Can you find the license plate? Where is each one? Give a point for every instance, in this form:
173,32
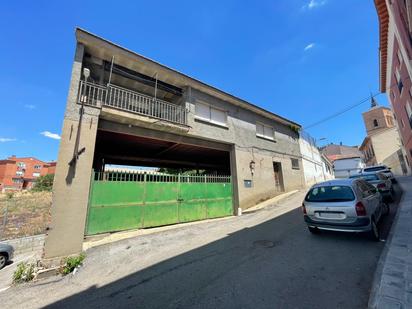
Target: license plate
331,215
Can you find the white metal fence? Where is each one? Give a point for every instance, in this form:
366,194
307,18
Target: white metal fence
131,101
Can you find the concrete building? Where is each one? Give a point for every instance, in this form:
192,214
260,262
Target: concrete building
395,55
382,144
126,109
316,166
18,174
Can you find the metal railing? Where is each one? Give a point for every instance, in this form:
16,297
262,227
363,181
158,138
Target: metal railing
155,176
131,101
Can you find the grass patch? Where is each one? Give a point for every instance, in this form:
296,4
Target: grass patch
25,214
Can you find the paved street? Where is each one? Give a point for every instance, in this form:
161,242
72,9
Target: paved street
265,259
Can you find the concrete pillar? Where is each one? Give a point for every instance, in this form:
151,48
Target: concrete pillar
71,183
235,182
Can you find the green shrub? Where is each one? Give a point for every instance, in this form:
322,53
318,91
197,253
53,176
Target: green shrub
70,263
25,272
44,183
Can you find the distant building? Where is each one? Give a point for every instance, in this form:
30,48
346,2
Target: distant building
347,160
382,144
395,55
21,173
316,167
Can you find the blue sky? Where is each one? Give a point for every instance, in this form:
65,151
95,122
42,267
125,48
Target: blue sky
302,59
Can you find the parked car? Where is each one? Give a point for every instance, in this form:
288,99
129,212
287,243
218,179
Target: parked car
346,205
6,254
379,168
380,182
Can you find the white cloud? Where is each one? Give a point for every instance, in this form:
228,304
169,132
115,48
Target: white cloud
50,135
5,139
314,3
309,46
30,106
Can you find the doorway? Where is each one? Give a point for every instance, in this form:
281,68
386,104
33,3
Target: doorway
277,173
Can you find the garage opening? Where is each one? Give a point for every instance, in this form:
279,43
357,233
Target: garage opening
180,183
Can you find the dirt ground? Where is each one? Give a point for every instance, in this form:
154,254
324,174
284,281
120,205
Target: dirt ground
24,214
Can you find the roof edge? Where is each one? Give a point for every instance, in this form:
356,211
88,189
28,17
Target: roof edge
80,31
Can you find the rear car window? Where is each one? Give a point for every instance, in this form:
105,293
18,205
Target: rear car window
366,177
374,169
330,194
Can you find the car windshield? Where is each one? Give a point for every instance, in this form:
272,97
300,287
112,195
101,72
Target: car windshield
366,177
330,194
374,169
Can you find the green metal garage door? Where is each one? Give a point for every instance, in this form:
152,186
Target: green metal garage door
128,200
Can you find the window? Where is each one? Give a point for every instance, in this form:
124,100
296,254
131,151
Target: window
375,123
409,113
37,167
295,163
19,173
265,131
21,165
36,174
399,55
399,80
389,119
330,194
210,114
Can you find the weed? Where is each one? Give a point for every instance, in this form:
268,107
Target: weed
25,272
70,263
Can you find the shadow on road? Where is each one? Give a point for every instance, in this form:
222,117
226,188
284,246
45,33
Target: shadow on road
277,264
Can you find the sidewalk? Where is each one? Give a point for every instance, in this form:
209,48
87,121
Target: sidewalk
392,286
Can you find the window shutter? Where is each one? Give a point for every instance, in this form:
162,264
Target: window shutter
203,111
259,129
268,132
218,116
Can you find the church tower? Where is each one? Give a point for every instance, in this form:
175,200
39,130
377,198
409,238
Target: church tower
377,118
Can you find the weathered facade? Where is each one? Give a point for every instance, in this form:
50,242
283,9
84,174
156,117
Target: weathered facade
125,109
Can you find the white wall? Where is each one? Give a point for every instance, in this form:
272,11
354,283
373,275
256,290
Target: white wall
314,167
346,167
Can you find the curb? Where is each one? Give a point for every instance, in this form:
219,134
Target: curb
377,278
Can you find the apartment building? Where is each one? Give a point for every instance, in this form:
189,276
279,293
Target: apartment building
125,109
395,55
21,173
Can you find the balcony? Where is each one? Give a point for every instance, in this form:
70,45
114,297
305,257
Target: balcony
130,101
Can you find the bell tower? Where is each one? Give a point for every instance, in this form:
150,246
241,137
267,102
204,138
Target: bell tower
377,118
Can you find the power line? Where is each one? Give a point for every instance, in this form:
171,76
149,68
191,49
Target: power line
350,107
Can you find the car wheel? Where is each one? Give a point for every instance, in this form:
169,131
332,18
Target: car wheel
374,232
3,260
313,230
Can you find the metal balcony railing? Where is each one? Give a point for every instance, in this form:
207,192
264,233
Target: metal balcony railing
131,101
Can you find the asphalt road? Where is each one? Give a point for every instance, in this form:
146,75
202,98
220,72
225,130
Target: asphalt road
274,264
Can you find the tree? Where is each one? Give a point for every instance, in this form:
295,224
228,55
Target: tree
44,183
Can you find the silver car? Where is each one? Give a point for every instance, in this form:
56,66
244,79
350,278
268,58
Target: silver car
346,205
381,169
380,182
6,254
